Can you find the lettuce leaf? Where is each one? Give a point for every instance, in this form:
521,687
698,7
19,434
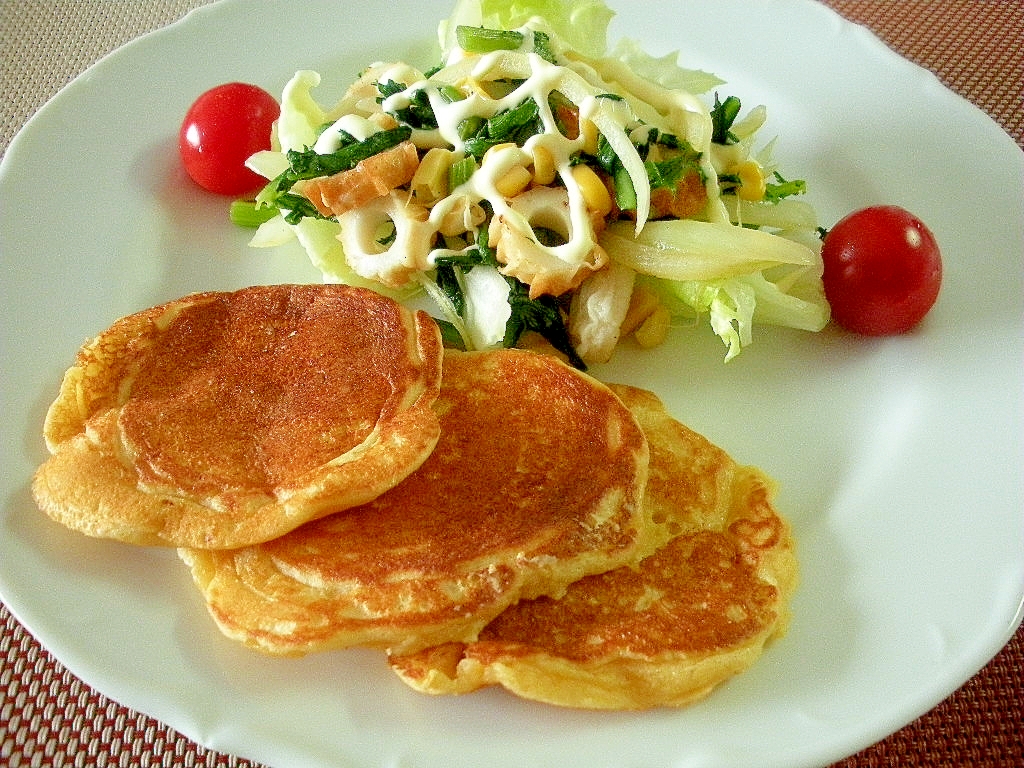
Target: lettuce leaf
731,275
301,117
733,305
664,70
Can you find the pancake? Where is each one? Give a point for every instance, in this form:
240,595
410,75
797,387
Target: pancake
536,481
693,614
225,419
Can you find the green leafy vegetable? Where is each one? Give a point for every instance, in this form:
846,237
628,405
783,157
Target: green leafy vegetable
505,124
668,173
450,335
307,164
780,188
734,304
418,114
625,192
514,125
664,70
297,207
543,314
606,156
542,47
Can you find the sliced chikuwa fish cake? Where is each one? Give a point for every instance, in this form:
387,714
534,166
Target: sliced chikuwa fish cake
665,633
536,481
224,419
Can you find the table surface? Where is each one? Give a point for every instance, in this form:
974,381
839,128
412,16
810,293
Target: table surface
50,717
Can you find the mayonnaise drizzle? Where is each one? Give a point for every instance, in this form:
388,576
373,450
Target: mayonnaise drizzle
583,82
539,78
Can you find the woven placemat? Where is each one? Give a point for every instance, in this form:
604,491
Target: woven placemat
48,717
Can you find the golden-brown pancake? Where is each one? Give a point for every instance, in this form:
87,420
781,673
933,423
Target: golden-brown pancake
225,419
536,481
691,615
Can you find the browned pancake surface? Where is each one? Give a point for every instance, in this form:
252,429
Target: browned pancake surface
691,615
535,482
222,419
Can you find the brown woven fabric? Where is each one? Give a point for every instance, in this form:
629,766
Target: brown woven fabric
975,47
48,717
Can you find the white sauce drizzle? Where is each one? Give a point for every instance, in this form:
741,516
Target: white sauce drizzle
579,82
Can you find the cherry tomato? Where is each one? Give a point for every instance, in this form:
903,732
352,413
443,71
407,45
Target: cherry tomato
220,130
882,270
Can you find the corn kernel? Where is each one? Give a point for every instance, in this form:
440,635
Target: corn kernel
494,150
590,135
515,181
642,303
654,329
752,183
543,166
383,120
594,192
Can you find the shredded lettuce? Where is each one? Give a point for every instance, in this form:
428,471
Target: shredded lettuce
686,249
739,260
734,305
733,275
729,305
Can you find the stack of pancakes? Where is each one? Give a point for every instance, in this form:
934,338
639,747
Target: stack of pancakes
334,478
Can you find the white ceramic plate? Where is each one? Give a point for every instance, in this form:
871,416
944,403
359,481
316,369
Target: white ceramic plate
899,459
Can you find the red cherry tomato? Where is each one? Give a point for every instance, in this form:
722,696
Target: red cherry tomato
882,270
220,131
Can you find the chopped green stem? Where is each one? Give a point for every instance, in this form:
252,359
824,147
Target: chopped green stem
246,213
471,126
542,47
483,40
723,115
460,171
450,93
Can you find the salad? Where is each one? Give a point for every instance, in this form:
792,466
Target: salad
536,181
